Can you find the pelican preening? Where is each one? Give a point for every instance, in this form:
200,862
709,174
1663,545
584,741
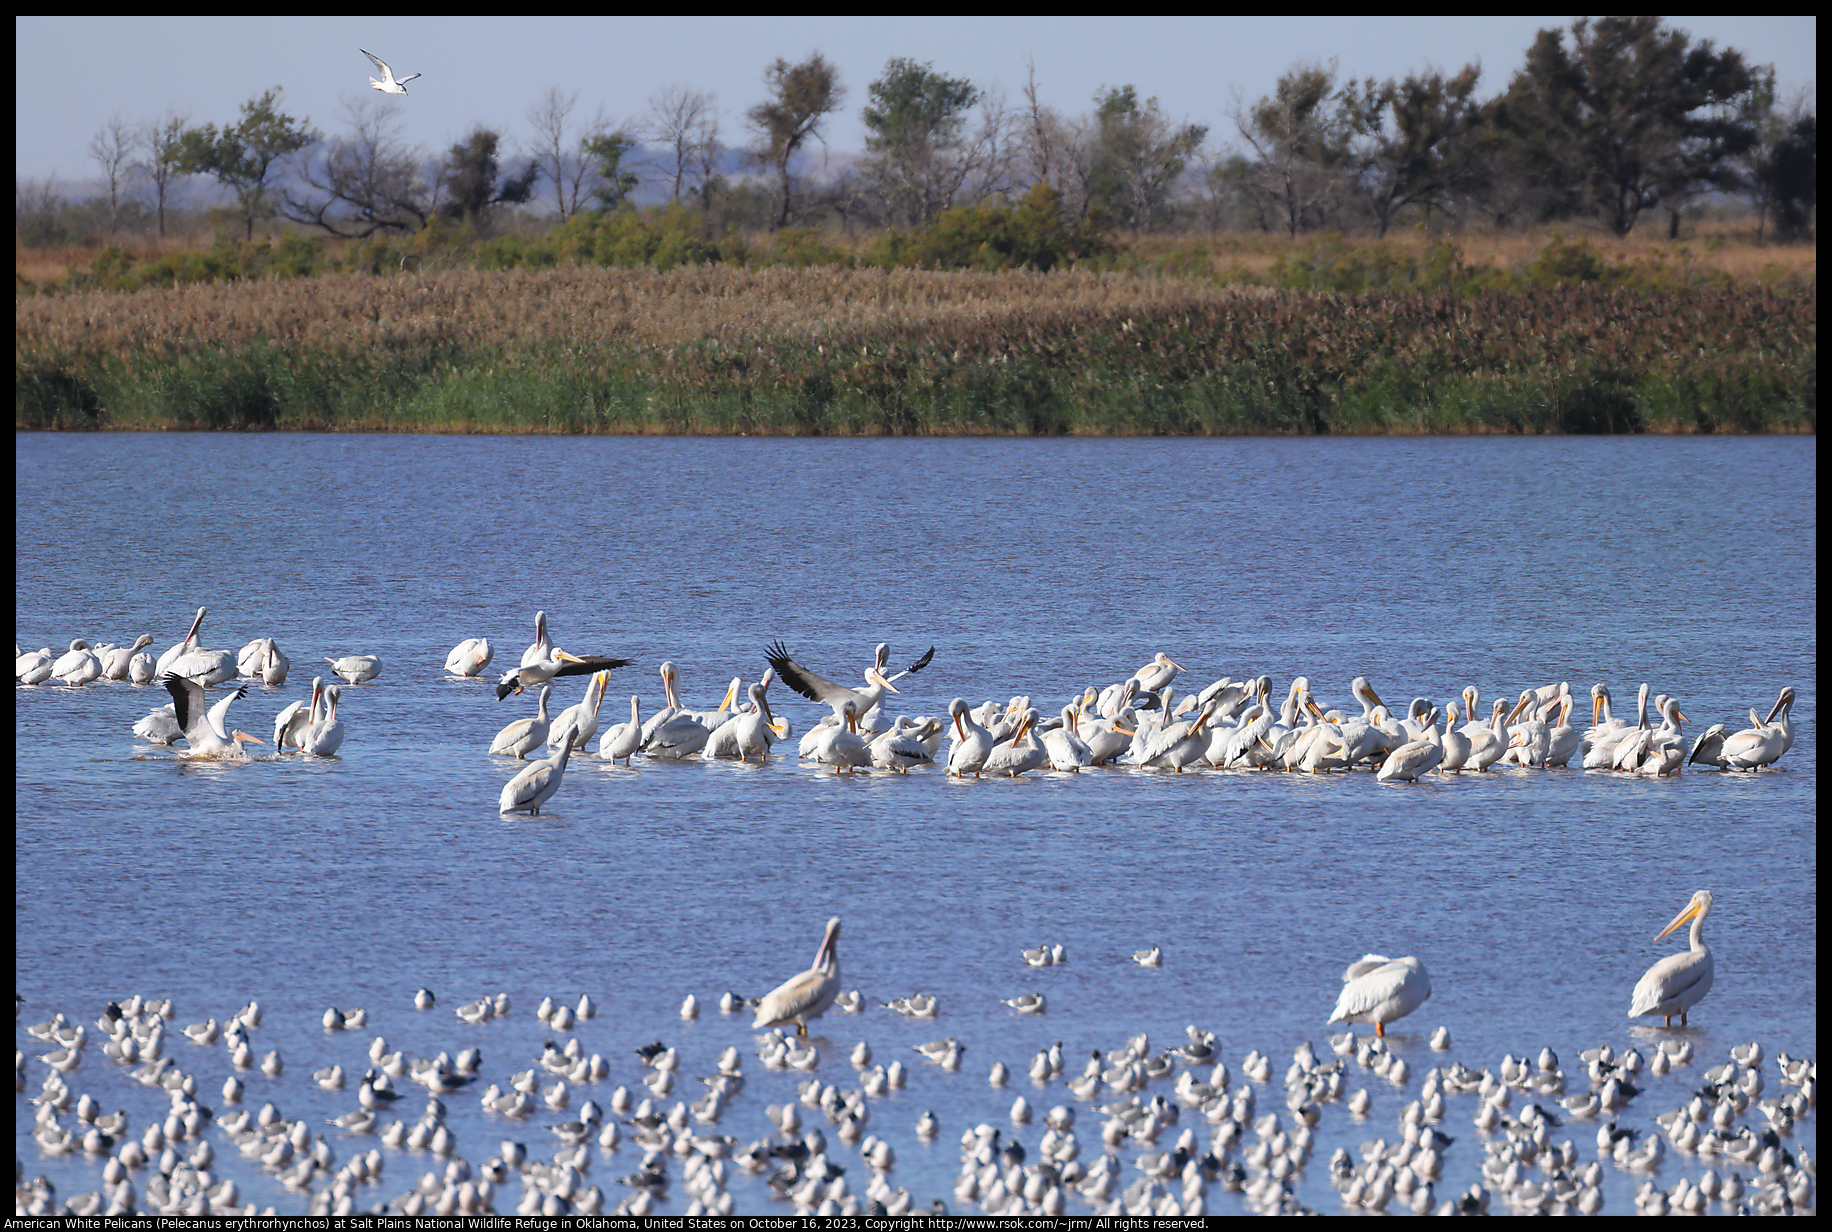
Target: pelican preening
77,666
357,669
807,995
1680,981
1379,990
469,657
389,84
1761,744
205,728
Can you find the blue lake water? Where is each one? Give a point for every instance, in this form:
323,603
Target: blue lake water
1034,567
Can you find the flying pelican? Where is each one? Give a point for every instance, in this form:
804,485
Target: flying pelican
324,737
622,740
523,736
204,729
290,723
117,661
78,666
556,663
389,84
1378,990
807,995
534,784
1680,981
469,657
818,688
356,668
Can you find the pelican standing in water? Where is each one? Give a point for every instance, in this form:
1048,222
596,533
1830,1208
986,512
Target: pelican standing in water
1680,981
972,743
622,740
1378,990
807,995
116,662
205,729
523,736
535,784
324,737
1763,744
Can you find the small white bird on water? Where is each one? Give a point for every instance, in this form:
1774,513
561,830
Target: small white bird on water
389,84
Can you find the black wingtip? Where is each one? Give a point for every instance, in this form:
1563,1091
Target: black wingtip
507,687
777,654
923,662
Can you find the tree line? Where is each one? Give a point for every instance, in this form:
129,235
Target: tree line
1609,121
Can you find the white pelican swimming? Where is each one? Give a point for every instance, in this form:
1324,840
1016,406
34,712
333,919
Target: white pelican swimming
324,737
523,736
807,995
1066,749
621,740
160,727
1680,981
582,715
356,668
77,666
389,84
534,784
204,729
273,665
816,687
290,723
1378,990
116,662
469,657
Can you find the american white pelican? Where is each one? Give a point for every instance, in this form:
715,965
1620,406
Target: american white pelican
816,687
557,663
534,785
972,742
1709,747
290,723
326,736
881,658
1664,751
1158,673
752,731
676,732
116,662
249,658
523,736
1178,744
165,660
1605,730
160,727
389,84
900,748
274,664
204,729
841,746
1486,748
356,668
1414,758
1379,990
78,666
582,715
1680,981
1022,753
1228,745
140,668
469,657
1066,749
1764,744
33,666
1455,743
807,995
1562,741
622,740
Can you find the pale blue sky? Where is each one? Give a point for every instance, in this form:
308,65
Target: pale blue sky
74,73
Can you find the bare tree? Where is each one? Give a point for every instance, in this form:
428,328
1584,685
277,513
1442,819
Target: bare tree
681,120
555,153
163,141
112,147
1056,150
370,180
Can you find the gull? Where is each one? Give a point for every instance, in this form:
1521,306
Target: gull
388,84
